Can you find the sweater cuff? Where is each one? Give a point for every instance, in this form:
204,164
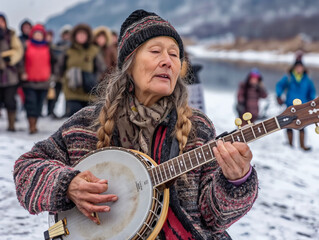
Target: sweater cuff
240,181
65,178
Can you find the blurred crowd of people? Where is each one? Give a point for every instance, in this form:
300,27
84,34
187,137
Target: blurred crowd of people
35,70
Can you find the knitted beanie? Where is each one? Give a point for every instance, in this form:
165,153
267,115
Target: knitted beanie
39,28
298,62
255,72
141,26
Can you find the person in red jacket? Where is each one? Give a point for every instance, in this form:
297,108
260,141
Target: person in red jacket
37,65
249,92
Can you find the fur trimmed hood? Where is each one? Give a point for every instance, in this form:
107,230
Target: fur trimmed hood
84,27
107,33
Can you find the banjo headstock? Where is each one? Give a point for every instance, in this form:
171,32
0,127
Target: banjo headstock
300,115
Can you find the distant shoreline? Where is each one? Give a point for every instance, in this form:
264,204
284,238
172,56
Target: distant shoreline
251,56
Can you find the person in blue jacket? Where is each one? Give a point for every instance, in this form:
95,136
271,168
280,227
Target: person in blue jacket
296,84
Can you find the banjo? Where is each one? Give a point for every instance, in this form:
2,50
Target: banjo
142,206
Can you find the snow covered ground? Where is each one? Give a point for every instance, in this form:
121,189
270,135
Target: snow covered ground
266,57
287,207
15,222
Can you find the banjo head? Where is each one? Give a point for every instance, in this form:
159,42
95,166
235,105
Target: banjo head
128,178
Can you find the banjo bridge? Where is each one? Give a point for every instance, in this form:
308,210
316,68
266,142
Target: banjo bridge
56,230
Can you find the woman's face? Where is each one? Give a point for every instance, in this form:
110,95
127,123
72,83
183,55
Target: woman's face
49,38
254,80
26,28
299,69
155,69
81,37
101,40
3,24
38,36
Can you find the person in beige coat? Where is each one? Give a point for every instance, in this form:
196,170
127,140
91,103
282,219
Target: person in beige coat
11,52
102,37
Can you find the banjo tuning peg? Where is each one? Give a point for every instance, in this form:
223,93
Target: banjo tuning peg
247,117
238,122
296,102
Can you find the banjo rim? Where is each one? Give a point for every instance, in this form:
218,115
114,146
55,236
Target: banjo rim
163,215
142,157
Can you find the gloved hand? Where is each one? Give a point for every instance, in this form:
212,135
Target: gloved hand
279,101
6,59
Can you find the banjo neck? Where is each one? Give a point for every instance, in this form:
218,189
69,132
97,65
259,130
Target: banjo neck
188,161
297,117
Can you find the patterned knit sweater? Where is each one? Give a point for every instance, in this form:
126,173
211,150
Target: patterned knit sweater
205,202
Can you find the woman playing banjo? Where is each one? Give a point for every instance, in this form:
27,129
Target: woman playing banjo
143,107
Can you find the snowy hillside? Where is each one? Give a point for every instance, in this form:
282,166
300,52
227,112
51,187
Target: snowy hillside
264,57
204,18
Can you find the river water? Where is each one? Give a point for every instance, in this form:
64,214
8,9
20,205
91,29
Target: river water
220,75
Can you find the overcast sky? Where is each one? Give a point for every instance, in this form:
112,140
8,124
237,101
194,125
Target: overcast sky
34,10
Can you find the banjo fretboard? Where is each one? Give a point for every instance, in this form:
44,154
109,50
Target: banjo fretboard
188,161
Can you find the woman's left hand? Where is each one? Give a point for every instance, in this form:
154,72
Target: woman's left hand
233,158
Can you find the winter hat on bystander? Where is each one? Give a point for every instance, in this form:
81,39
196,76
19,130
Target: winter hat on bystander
39,28
298,62
254,72
141,26
67,28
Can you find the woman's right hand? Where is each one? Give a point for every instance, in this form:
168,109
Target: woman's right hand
85,191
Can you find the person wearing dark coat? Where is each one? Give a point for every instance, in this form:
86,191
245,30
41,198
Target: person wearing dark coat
65,39
25,28
190,73
36,76
58,50
55,87
249,93
11,52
